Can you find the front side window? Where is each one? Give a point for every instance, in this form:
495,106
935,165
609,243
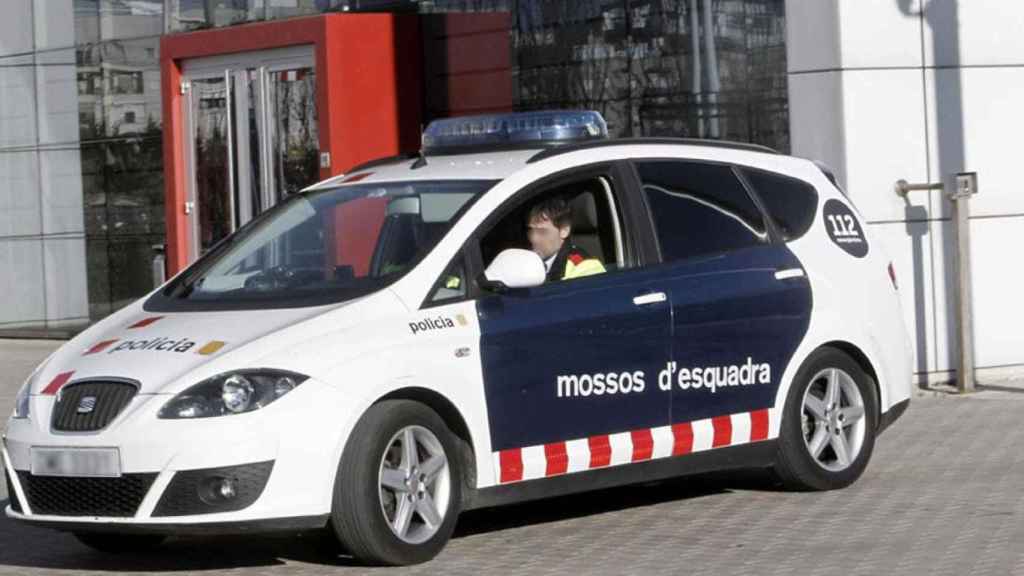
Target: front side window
699,209
327,246
573,226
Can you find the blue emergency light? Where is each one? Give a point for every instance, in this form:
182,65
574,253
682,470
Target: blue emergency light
545,128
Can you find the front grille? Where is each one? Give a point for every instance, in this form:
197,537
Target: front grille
11,494
90,406
75,496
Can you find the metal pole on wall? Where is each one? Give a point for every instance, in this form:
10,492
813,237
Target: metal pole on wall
966,186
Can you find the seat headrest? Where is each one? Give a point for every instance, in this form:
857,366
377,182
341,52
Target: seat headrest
584,213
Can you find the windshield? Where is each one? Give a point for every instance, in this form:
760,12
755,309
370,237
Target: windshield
326,246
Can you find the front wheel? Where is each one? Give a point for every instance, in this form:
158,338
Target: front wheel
828,425
397,493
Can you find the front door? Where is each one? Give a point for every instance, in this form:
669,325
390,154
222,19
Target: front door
570,367
252,121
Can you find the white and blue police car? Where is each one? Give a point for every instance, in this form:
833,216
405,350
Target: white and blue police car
382,351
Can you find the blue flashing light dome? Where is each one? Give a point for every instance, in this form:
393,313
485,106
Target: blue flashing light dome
466,133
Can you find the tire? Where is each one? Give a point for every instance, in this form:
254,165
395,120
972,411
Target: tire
810,454
113,543
366,503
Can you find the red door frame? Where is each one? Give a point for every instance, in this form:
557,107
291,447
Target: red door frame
369,78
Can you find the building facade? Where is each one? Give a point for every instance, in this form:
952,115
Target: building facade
81,173
920,90
878,89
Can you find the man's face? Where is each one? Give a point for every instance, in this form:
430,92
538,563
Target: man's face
545,238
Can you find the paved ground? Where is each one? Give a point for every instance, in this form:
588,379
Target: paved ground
944,495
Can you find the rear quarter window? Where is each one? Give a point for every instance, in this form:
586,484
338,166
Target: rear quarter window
791,203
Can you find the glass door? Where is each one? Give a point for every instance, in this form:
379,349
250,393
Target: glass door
252,120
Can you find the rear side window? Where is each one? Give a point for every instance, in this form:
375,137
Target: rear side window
790,202
699,209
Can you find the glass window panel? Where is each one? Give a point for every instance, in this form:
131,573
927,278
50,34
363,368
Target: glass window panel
61,179
98,277
130,18
790,202
296,142
699,209
290,8
56,24
67,302
197,14
22,263
57,84
15,36
213,191
17,101
19,194
118,85
119,271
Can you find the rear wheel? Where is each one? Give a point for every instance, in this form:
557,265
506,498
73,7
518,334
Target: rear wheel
397,493
112,543
829,423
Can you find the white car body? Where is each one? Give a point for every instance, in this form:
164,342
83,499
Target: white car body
387,343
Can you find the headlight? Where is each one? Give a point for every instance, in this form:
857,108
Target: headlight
21,405
231,393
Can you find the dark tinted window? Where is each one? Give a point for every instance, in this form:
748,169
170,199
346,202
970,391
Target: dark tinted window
790,202
699,209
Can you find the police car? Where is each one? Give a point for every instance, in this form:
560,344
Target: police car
388,348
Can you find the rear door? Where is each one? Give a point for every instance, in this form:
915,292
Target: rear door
741,302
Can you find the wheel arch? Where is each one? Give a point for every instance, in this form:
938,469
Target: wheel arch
862,360
453,418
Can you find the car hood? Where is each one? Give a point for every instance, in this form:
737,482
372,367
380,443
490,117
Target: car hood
155,349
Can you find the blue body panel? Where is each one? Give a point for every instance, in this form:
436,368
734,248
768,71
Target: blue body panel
730,309
719,312
587,326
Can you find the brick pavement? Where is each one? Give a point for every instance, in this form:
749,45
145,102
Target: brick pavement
943,495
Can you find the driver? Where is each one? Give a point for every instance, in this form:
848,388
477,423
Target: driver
549,229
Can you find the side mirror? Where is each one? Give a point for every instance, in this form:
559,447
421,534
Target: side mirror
514,268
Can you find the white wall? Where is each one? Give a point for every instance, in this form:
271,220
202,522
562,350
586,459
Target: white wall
921,89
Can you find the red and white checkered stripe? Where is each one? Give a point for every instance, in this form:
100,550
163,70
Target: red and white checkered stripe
531,462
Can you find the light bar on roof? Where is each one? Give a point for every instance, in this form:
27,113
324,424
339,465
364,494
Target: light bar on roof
543,128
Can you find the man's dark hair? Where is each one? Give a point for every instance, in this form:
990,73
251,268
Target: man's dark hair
553,208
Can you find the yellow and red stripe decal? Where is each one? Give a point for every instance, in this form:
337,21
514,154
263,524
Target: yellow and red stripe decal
58,381
145,322
99,347
553,459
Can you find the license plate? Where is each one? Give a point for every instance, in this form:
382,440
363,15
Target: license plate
98,462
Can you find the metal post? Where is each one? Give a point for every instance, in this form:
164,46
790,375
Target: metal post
966,186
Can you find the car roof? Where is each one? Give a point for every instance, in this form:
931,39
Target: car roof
497,164
476,166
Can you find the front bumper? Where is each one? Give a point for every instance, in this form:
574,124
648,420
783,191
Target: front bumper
281,461
272,525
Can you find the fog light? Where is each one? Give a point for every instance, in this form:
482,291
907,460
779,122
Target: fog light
218,490
226,489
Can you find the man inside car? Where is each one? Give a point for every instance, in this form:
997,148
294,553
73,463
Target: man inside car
549,229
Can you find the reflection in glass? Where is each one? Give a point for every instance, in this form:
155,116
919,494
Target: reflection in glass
198,14
694,68
118,88
210,133
294,139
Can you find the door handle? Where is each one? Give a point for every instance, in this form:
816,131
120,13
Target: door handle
789,273
649,298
